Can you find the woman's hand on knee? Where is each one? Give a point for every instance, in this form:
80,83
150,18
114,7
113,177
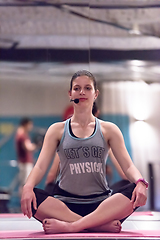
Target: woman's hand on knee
139,196
27,198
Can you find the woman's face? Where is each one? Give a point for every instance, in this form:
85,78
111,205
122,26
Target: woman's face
83,89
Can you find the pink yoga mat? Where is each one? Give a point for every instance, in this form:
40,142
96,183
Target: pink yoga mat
37,234
11,215
142,213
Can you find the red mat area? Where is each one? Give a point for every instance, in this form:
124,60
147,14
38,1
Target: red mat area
11,215
37,234
142,213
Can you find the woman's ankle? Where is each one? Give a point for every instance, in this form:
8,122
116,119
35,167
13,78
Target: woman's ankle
75,227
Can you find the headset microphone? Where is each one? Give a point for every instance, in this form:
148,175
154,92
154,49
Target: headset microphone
75,100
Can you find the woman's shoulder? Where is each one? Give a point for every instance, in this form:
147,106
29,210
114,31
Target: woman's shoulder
56,127
108,126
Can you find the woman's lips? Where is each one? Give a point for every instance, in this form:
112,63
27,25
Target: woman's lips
82,99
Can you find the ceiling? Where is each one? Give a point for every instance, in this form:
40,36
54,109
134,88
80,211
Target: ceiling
81,24
115,27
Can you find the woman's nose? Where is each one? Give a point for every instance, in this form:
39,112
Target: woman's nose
82,91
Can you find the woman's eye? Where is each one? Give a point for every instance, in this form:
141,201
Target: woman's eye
76,89
88,88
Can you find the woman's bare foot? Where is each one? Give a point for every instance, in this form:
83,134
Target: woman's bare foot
51,226
55,226
112,227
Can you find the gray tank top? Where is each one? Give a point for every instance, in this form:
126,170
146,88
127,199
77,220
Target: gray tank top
82,164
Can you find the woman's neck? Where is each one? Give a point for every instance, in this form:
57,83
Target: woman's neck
83,117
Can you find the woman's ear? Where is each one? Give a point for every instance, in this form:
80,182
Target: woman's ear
69,94
96,94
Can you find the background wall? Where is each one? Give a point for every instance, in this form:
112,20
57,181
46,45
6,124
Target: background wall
32,97
134,108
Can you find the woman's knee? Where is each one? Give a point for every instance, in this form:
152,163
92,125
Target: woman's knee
126,190
41,196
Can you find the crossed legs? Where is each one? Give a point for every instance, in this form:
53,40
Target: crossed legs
58,218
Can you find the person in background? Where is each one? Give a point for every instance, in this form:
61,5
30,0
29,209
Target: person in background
24,150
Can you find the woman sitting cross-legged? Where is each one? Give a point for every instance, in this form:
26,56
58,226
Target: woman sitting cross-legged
82,200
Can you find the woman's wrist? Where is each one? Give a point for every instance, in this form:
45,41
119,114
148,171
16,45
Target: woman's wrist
142,180
27,186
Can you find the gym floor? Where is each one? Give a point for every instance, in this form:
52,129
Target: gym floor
140,225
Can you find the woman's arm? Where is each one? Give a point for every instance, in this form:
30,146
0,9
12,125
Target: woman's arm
54,171
45,157
116,164
51,141
114,138
116,143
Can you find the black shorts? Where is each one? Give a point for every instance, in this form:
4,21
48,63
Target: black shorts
125,187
